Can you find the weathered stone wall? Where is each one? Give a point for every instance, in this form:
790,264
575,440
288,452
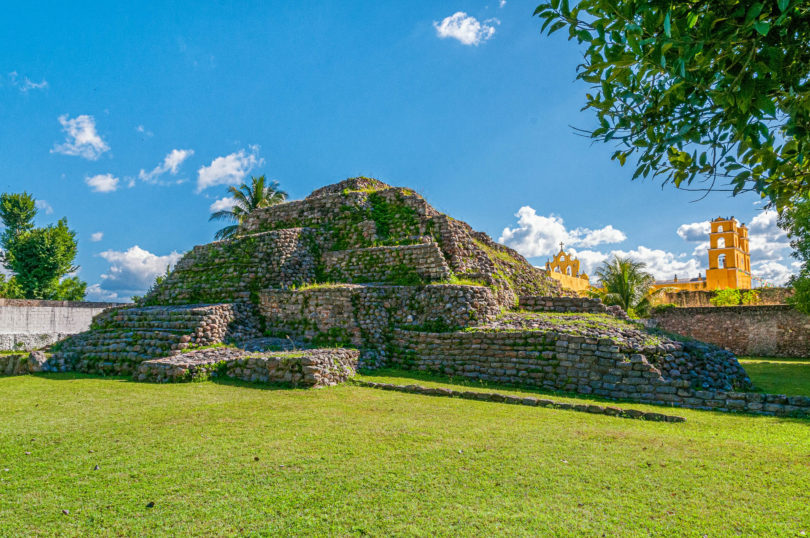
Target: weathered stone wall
311,367
386,264
363,316
233,269
536,303
561,362
475,255
22,363
684,298
29,324
770,331
121,339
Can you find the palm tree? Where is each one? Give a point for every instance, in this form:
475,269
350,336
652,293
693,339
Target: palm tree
625,283
246,199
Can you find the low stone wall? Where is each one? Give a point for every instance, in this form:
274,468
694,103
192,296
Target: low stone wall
29,324
767,296
311,367
227,271
600,367
384,264
524,400
579,305
363,316
770,331
537,303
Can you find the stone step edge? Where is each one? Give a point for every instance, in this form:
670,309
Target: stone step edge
530,401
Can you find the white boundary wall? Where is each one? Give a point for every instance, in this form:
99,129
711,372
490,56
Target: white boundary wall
27,324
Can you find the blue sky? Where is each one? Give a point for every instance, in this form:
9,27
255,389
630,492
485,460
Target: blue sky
130,120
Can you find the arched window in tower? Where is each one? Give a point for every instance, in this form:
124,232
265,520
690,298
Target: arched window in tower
721,242
721,261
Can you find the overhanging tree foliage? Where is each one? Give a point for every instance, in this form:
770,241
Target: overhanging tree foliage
705,94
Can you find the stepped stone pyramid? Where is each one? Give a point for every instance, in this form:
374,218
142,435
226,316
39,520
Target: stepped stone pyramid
361,273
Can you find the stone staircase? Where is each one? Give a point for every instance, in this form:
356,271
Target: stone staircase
121,339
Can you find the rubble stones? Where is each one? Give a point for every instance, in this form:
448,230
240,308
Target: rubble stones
311,368
530,401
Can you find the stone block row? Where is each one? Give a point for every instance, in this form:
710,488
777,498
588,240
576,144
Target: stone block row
386,263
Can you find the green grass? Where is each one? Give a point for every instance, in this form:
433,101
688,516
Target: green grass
349,460
778,375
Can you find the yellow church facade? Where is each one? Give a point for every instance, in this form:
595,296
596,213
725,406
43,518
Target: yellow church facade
564,268
729,260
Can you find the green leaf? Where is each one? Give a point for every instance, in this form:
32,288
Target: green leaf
783,5
668,25
762,27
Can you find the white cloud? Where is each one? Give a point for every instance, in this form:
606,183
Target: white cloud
772,272
502,3
539,235
661,264
590,238
695,231
228,170
96,237
664,265
96,293
45,206
222,204
81,138
466,28
144,131
171,163
102,182
132,271
25,84
701,250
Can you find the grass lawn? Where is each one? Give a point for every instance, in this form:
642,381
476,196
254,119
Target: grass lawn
782,376
350,460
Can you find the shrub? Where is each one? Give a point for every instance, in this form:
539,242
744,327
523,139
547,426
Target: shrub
800,300
663,307
751,297
727,297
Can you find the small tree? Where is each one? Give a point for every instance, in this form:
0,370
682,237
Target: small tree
625,283
40,258
247,198
795,220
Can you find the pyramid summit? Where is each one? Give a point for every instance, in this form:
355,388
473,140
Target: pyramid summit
360,230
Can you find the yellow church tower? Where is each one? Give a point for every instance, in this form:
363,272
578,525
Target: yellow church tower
729,257
729,260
